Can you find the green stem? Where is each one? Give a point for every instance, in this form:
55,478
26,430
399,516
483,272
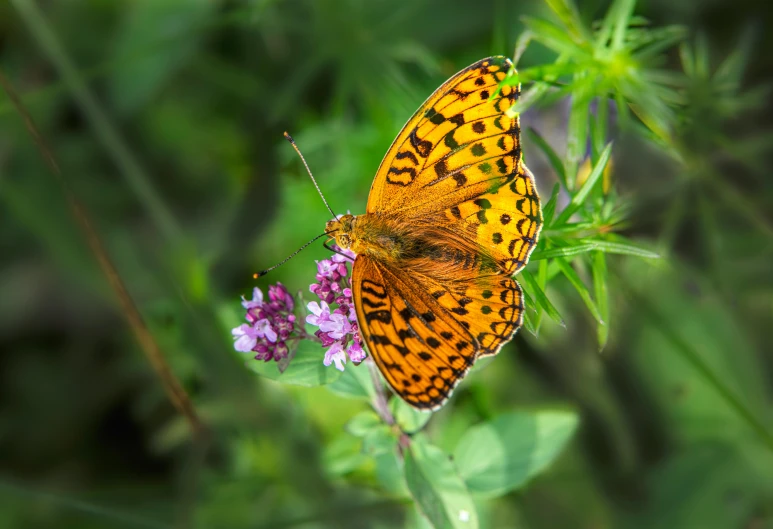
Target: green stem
687,352
135,176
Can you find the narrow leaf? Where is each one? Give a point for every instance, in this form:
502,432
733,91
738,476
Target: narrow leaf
549,209
553,158
579,286
563,251
593,177
577,128
531,284
552,36
529,322
599,268
624,10
621,246
570,17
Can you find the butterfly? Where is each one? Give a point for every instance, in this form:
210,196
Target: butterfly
452,214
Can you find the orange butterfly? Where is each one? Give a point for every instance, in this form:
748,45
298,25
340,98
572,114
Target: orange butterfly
452,213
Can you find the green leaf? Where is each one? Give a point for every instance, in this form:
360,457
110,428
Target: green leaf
563,251
520,46
504,454
593,177
599,128
305,369
435,485
579,286
354,382
389,473
362,423
552,156
379,440
577,128
623,247
342,455
605,30
528,323
599,268
552,36
409,419
570,17
549,209
377,437
531,285
659,40
579,246
623,10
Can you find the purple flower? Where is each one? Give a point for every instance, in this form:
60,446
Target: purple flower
356,352
335,355
263,329
245,338
335,315
320,312
270,323
337,326
256,301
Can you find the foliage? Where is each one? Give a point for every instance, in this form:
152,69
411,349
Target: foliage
170,135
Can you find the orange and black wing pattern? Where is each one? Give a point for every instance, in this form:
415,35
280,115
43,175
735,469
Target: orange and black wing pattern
454,186
458,161
421,350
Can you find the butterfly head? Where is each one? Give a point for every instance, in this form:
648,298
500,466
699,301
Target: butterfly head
341,229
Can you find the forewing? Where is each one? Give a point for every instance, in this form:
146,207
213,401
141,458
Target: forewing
505,223
458,161
420,349
457,146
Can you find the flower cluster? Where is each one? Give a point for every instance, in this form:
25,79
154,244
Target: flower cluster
269,324
338,329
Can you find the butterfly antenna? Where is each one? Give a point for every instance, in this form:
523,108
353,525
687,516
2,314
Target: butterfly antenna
296,252
292,142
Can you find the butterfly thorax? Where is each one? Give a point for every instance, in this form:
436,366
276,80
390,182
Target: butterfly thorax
424,247
370,235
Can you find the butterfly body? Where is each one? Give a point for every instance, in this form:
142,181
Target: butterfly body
451,215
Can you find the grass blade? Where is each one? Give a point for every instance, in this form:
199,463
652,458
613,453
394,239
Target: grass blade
577,133
579,286
593,177
552,36
623,247
532,286
623,12
600,279
172,385
563,251
552,156
689,353
130,168
567,12
549,209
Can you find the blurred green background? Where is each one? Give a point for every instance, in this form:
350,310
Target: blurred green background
166,118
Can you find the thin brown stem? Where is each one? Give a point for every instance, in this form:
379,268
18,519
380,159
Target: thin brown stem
379,400
172,385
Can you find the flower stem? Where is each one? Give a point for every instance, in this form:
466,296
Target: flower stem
379,398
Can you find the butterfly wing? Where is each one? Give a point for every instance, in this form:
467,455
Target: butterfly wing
425,333
458,161
420,349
